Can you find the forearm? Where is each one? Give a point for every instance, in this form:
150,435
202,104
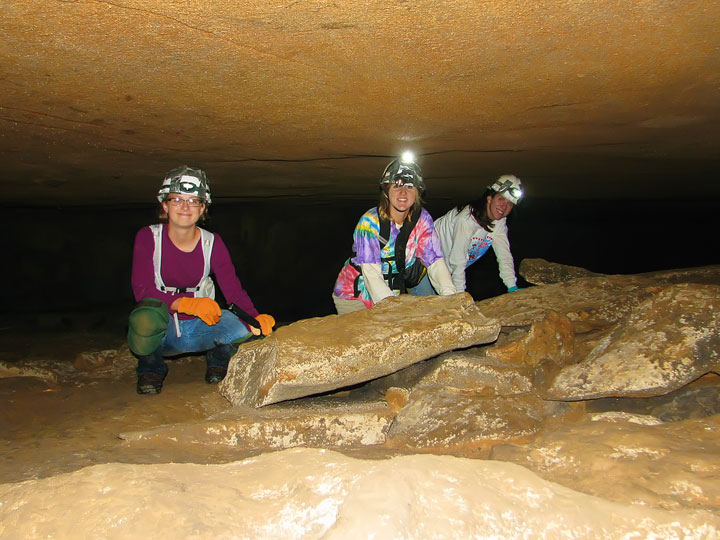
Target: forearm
375,283
440,278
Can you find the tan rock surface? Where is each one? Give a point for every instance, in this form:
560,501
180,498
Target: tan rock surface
595,98
668,341
590,302
327,353
628,460
552,338
320,423
542,272
305,493
449,420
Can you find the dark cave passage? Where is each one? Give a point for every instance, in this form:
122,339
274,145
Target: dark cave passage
287,253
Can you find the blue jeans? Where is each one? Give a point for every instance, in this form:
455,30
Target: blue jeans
196,336
424,288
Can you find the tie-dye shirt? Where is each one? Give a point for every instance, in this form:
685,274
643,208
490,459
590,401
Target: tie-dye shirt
423,244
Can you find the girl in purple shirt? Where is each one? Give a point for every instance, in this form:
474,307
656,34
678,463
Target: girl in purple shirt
176,311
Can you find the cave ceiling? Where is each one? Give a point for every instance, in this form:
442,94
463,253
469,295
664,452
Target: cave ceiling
311,99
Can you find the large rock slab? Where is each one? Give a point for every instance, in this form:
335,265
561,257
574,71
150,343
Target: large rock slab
311,494
668,341
320,423
326,353
629,459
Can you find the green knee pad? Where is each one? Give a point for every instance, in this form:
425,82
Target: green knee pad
147,325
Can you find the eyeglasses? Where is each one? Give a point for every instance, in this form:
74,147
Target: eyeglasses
179,201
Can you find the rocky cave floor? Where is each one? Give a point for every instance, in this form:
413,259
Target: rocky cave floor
68,402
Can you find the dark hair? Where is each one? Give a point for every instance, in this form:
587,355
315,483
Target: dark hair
478,209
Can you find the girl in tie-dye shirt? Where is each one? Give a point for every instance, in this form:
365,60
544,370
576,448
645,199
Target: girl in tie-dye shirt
368,276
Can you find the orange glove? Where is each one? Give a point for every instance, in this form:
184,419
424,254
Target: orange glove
266,323
205,308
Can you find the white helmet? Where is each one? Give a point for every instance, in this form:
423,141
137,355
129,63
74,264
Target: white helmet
185,179
509,186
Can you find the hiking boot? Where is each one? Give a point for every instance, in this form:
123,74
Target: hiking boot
214,374
149,383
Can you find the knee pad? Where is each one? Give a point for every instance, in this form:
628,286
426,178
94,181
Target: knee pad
147,325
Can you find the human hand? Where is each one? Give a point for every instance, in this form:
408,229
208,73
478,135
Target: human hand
206,308
266,323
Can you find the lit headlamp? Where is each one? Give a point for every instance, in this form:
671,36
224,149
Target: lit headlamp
509,187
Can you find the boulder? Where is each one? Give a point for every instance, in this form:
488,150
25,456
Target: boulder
551,338
322,354
668,341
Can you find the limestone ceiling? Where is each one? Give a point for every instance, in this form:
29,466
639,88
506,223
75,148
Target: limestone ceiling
311,98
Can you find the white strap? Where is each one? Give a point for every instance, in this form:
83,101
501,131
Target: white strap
206,287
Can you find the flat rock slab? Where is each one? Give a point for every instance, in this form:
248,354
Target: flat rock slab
322,354
320,423
629,459
589,302
542,272
668,341
312,494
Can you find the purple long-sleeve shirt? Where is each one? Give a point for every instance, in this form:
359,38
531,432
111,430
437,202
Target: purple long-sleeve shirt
181,269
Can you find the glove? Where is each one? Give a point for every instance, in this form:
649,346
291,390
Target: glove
266,323
205,308
513,289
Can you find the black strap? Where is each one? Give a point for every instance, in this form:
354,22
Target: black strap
244,316
397,281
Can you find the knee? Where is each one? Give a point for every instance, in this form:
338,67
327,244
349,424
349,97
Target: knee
147,325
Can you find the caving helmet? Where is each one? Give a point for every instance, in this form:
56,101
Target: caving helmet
510,187
185,179
402,171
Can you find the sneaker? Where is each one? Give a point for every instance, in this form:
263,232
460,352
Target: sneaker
215,374
149,383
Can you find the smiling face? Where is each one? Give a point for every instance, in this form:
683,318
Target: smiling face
498,207
401,199
182,214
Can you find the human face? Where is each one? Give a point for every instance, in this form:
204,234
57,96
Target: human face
401,200
183,215
498,207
